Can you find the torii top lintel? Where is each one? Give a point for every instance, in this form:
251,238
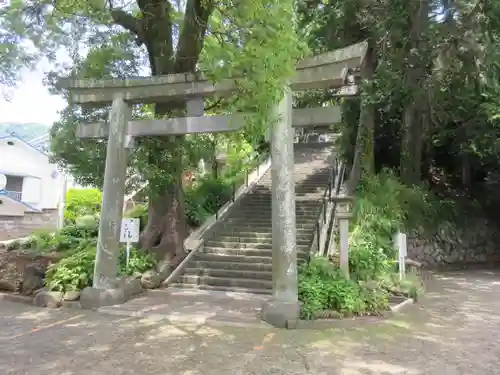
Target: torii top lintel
327,70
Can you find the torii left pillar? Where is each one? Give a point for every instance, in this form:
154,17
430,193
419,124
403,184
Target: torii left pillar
284,306
105,289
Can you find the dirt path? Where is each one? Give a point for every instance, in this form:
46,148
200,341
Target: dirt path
456,332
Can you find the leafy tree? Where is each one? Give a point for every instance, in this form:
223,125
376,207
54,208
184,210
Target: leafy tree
254,40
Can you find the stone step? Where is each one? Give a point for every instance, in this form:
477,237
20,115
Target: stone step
302,175
305,207
256,238
266,216
230,273
242,259
250,230
300,201
263,186
225,282
266,219
232,265
214,243
222,288
223,251
260,226
312,188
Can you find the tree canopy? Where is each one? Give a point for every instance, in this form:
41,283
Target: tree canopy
429,104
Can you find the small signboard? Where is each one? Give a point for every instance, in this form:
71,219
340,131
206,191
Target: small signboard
401,247
129,233
4,3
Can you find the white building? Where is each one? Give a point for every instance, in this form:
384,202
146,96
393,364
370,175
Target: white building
33,183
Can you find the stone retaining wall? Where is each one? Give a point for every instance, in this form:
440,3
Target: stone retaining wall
21,226
477,241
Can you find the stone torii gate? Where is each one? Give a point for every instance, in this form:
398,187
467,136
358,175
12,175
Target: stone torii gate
329,70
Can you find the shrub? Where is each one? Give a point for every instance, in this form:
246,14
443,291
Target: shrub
383,206
81,202
212,194
76,271
323,287
200,202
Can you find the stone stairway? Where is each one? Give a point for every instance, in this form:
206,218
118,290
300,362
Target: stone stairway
238,256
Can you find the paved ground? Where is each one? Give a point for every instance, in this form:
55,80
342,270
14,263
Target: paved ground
183,306
455,332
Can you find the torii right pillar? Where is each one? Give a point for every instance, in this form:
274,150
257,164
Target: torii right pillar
284,306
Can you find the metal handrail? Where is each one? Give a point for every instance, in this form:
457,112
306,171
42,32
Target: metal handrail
327,196
336,179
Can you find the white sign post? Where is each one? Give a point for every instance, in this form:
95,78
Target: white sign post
400,246
129,233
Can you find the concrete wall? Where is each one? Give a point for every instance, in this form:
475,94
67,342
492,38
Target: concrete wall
21,226
9,207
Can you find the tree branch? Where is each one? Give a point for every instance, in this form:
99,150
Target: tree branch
129,22
192,34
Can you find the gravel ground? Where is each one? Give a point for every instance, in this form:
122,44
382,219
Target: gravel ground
455,331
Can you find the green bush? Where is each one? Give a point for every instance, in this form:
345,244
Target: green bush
212,194
383,206
76,271
323,287
200,202
67,239
81,202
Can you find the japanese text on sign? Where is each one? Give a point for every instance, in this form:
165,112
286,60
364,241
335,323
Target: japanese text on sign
129,230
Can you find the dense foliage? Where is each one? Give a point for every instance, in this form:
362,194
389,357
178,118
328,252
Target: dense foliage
81,202
383,206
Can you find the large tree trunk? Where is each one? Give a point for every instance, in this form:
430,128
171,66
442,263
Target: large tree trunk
166,230
363,160
412,130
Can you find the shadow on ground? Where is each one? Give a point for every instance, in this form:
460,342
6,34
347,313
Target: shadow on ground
454,331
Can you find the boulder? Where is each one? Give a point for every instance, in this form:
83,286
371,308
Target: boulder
92,298
130,285
150,279
8,286
49,299
72,295
33,279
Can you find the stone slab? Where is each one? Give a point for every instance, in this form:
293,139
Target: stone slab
92,298
194,307
279,313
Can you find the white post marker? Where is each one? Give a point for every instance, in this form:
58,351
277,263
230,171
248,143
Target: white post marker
129,233
400,245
